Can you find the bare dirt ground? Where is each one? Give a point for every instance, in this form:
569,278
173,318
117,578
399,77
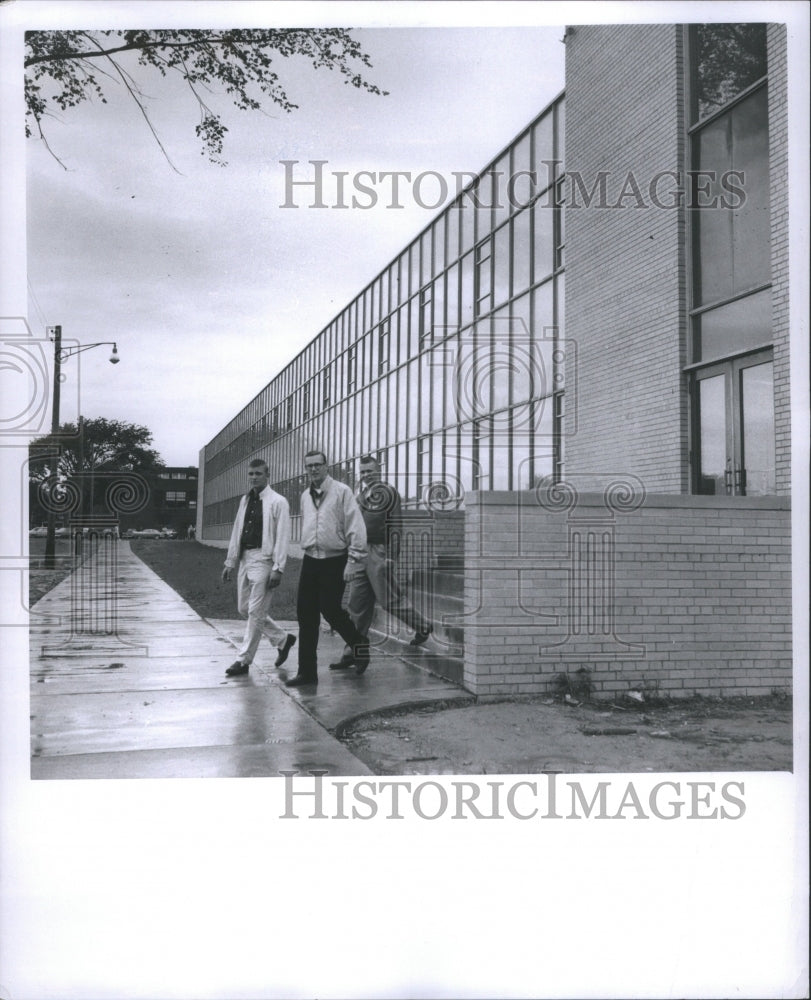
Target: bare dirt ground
529,737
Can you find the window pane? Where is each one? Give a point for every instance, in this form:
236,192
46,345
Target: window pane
520,186
467,290
757,404
750,149
391,390
712,435
501,179
734,327
733,229
521,255
452,317
426,253
434,375
501,269
467,471
520,463
439,307
484,210
452,223
543,221
543,317
437,458
542,150
466,218
439,244
501,463
727,58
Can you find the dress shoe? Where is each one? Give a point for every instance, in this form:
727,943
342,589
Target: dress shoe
361,659
237,668
299,681
347,660
421,637
284,650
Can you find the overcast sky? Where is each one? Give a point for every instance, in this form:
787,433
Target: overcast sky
207,284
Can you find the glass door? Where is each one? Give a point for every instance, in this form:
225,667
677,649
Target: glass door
734,427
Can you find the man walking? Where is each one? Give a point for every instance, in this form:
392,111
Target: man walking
333,540
258,546
381,507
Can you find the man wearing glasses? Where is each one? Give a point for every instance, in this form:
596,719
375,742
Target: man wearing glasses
333,540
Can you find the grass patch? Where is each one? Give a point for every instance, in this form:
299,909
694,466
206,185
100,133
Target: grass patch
41,580
193,570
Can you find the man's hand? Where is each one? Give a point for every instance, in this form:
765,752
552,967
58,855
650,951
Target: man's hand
352,569
226,574
274,579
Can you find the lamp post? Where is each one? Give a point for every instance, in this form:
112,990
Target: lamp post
62,354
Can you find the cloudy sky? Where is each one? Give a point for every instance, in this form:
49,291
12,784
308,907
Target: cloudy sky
206,283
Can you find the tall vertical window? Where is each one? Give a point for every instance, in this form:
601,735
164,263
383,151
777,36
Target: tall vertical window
484,283
383,349
730,355
351,366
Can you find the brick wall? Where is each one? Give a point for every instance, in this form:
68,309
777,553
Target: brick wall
682,595
778,180
625,266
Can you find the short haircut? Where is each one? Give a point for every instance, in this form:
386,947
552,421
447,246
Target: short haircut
312,454
369,460
256,462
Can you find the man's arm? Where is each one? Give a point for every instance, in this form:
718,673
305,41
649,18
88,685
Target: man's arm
232,557
354,527
394,525
281,514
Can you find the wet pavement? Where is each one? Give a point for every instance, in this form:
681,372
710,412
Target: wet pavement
128,681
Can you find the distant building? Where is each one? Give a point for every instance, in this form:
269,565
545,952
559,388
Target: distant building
165,498
173,500
577,376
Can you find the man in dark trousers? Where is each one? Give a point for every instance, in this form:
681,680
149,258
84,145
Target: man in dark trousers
333,541
258,546
381,508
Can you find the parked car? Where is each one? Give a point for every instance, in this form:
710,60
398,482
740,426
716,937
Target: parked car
168,533
39,532
146,533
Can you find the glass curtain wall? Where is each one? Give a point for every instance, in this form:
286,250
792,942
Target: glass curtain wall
730,366
447,366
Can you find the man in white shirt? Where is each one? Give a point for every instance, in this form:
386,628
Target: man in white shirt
333,540
258,546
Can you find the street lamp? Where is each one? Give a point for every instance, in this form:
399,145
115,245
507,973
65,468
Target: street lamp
62,354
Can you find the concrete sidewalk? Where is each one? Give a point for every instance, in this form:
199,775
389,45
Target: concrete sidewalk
127,681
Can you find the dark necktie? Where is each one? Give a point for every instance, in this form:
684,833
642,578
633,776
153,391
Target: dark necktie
317,496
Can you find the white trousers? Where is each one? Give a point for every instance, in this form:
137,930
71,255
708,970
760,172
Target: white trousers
253,600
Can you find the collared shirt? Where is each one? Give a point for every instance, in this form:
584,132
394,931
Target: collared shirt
275,526
334,525
252,525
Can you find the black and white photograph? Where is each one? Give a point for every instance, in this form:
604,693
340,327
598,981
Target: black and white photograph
405,424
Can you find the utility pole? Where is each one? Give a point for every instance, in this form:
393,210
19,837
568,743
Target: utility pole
62,354
50,539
